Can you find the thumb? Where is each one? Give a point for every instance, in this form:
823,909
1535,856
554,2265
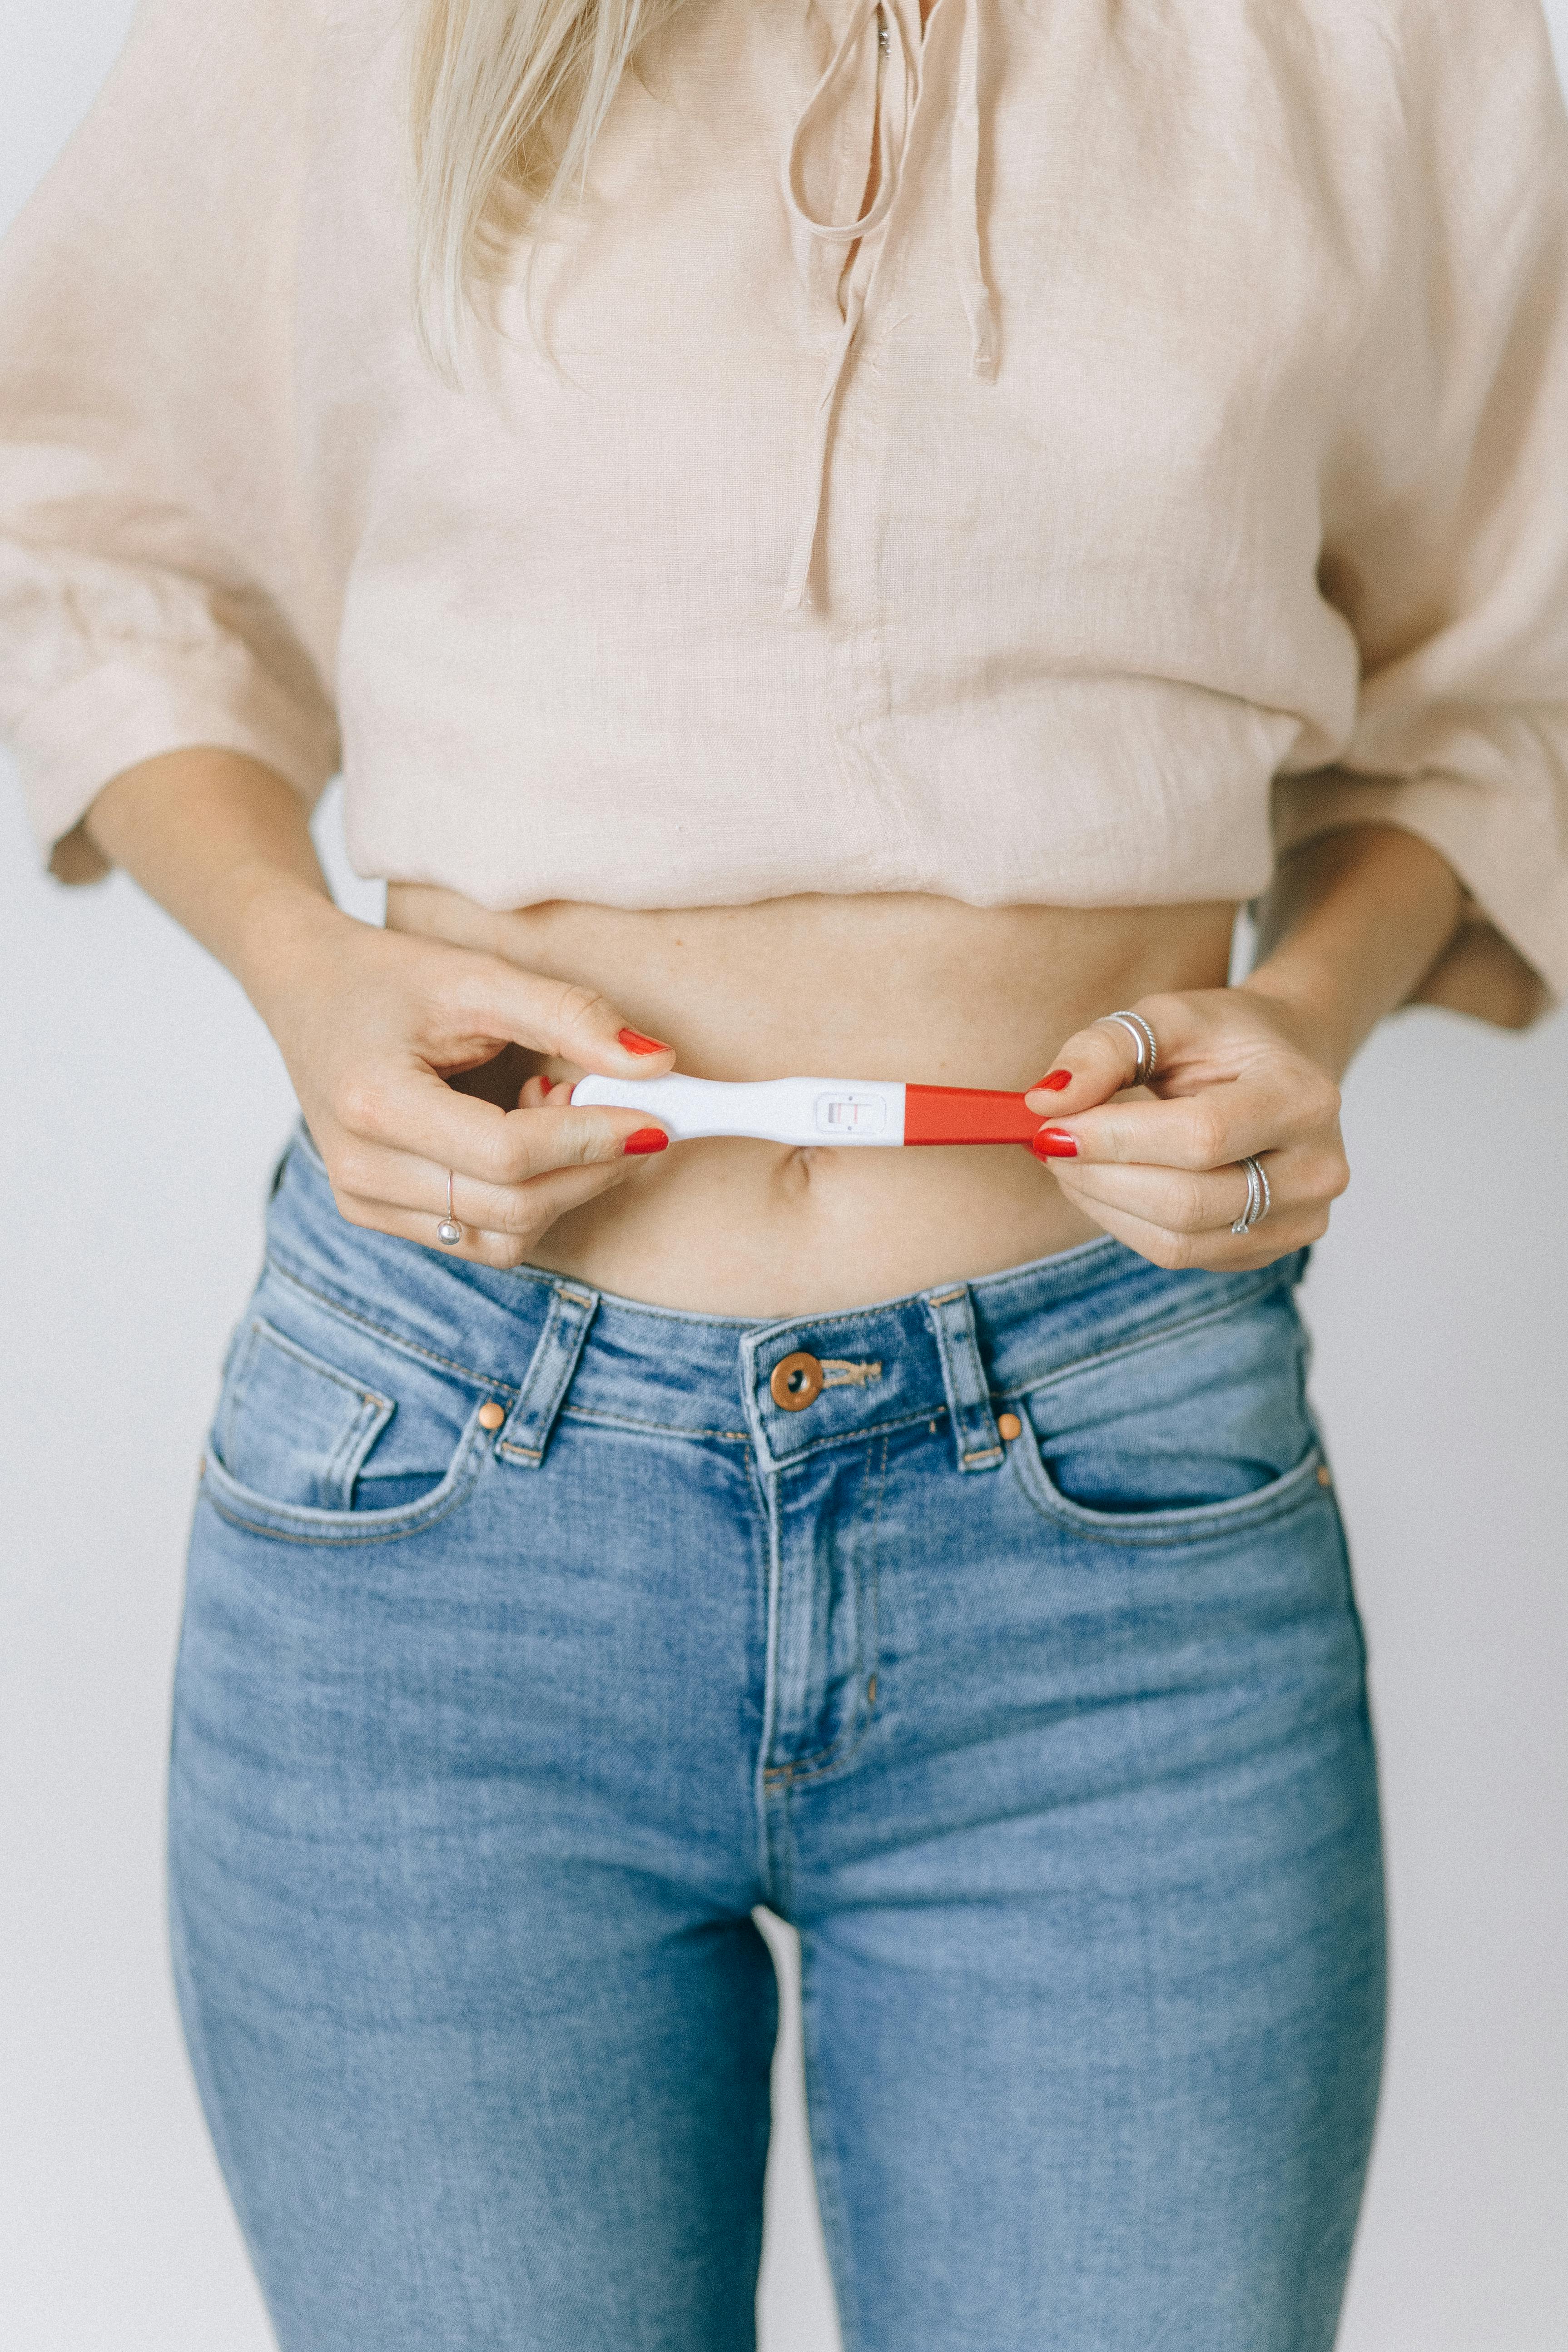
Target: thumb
1096,1062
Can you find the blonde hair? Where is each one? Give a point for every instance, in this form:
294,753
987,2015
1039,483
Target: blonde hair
507,98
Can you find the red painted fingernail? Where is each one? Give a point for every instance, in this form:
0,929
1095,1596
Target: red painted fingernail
1054,1143
544,1084
1054,1079
636,1042
647,1139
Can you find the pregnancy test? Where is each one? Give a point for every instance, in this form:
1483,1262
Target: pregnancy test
801,1111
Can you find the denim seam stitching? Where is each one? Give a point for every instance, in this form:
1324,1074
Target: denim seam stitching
545,1386
954,1349
763,1336
269,1334
1155,1336
233,1397
356,1441
337,1543
335,1306
1291,1491
661,1428
371,1415
838,1752
774,1855
847,1436
413,1526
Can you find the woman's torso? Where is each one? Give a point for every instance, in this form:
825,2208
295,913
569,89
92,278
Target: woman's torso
1068,510
875,987
747,561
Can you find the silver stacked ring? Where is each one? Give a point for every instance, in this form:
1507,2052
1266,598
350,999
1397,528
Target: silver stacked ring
1142,1037
1260,1200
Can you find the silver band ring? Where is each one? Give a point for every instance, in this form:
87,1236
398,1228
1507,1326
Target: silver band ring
1260,1200
1142,1037
449,1231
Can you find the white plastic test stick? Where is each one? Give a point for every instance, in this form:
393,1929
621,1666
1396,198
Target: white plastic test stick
779,1110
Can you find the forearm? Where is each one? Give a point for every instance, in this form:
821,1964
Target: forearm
1354,923
223,846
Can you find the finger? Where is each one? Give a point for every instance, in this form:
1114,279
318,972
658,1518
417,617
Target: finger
490,998
1095,1063
1210,1130
550,1198
412,1113
1220,1252
420,1185
1177,1199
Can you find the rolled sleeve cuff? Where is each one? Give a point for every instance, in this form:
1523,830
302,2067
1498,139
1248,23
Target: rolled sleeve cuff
72,743
1506,852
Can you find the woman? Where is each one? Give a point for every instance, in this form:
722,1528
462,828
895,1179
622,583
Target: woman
870,533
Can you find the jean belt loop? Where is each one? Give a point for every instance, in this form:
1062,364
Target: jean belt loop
977,1442
527,1430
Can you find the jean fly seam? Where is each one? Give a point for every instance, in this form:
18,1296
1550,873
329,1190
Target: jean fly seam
823,1761
873,1647
773,1856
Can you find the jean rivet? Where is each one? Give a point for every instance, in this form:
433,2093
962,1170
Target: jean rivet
1325,1476
492,1415
1009,1426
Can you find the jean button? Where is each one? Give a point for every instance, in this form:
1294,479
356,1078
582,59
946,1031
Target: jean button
796,1381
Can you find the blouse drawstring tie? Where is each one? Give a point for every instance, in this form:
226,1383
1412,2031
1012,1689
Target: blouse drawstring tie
897,100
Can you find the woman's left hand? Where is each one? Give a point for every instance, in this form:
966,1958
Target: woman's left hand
1240,1074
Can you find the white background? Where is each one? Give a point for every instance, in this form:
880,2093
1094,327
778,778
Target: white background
140,1106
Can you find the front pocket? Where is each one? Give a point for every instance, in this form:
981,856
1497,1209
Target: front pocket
1302,1484
292,1427
320,1415
1207,1421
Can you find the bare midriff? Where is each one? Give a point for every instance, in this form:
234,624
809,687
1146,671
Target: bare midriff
877,987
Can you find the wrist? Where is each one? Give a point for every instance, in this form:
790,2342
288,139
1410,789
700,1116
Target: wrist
1313,1009
1352,921
282,922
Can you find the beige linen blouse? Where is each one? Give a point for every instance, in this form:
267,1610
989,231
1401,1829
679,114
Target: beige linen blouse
1171,463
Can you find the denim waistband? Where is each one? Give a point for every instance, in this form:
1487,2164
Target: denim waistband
544,1342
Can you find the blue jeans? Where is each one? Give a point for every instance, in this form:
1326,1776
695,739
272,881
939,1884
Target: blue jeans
534,1636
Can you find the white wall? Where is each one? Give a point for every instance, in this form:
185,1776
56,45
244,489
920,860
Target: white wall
139,1105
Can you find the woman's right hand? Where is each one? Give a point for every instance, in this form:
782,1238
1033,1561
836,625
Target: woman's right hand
371,1022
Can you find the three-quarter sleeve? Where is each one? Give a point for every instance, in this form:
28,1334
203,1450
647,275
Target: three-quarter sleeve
1445,521
154,589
